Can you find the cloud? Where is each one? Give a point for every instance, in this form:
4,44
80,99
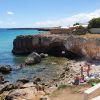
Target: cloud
10,13
8,24
81,18
1,22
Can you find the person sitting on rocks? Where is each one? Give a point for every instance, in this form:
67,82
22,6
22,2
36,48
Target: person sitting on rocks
1,79
21,65
76,80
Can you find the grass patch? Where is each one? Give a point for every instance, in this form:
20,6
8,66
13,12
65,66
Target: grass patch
63,86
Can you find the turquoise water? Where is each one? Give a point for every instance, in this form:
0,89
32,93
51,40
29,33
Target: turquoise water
6,57
6,43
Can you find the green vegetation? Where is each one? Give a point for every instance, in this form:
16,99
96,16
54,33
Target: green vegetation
55,60
94,23
76,24
93,81
80,30
63,86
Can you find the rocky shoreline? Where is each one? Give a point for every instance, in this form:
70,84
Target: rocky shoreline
20,89
39,47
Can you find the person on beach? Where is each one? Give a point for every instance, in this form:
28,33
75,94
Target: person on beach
88,70
76,80
20,66
1,79
81,70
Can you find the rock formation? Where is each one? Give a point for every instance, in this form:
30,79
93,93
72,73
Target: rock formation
33,58
5,69
57,44
42,43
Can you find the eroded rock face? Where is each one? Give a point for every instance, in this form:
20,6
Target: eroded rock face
73,46
56,44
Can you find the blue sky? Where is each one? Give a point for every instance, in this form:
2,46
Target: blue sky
42,13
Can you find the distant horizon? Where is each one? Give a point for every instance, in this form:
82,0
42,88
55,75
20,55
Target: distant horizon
52,13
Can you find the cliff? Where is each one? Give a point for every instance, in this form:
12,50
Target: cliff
57,44
39,43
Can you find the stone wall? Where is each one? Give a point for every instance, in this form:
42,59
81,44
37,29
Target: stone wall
95,30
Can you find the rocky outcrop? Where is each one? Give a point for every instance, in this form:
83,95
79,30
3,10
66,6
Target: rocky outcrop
57,44
29,93
33,58
5,69
37,43
24,81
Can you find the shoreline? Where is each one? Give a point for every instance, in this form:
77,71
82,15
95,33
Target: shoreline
68,70
51,72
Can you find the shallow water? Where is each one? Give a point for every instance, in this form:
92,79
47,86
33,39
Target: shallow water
45,69
6,45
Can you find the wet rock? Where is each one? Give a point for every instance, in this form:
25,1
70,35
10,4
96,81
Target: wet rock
2,79
5,69
18,85
36,80
33,58
43,55
23,81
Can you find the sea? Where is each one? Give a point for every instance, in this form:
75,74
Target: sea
29,72
7,58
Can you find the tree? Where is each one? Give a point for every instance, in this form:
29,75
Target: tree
76,24
94,23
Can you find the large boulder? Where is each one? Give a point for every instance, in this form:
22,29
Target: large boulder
25,94
38,43
33,58
42,55
56,45
5,69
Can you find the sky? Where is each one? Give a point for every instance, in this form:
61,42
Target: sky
47,13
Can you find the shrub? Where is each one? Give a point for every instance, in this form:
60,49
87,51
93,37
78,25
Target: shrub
76,24
94,23
94,81
80,30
